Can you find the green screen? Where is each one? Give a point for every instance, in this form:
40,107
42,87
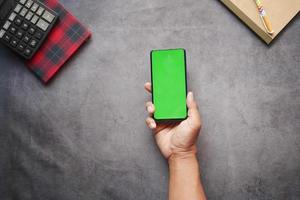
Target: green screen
169,84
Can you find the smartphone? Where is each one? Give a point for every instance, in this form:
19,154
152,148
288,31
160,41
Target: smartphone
169,84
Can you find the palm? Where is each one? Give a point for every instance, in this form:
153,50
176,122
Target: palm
175,136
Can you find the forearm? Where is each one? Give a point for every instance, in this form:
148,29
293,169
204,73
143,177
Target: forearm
185,183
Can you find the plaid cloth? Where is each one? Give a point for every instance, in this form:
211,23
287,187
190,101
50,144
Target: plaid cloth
67,35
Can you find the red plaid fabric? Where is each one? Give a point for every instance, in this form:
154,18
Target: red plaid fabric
67,35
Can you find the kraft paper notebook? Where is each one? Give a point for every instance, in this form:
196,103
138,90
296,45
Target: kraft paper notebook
280,12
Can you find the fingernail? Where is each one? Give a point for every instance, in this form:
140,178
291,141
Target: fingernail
152,125
191,95
150,109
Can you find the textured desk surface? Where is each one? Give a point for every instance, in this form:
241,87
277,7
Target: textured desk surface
83,136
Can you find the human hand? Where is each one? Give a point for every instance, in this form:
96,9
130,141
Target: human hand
176,138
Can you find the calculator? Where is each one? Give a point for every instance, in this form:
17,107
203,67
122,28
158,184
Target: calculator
24,25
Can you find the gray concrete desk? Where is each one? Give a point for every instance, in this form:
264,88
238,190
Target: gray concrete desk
83,136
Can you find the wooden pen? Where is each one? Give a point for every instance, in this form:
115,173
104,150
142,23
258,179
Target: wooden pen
264,17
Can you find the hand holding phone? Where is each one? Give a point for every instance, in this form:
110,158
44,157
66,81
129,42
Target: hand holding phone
173,114
177,138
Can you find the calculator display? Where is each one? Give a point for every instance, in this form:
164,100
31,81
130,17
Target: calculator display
24,25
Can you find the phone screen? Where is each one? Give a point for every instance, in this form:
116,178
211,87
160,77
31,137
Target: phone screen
169,89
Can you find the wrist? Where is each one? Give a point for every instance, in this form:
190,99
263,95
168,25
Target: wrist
183,153
183,156
182,162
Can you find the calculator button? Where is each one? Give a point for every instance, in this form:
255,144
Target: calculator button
12,16
19,34
34,7
27,51
12,29
40,11
31,30
6,25
22,2
25,25
38,35
34,19
33,43
2,32
26,38
21,47
7,37
13,42
18,8
29,16
42,24
29,3
18,21
23,12
48,16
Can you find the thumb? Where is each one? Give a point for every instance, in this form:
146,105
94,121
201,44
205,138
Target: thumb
193,112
